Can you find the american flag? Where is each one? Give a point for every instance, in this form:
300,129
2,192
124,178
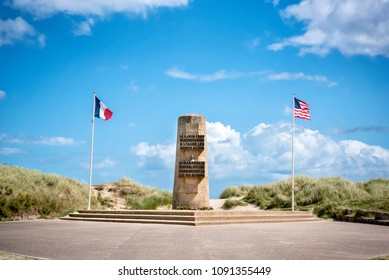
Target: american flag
301,110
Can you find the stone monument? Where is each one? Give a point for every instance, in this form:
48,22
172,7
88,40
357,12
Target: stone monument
191,169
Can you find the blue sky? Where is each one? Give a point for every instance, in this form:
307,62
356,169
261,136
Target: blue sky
234,62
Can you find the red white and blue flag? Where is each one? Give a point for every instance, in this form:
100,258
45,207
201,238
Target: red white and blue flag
301,110
101,111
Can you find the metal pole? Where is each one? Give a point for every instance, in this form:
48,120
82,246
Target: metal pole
293,153
91,151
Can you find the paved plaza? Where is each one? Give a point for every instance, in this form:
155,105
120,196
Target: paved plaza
69,240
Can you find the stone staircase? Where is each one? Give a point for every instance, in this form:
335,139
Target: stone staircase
191,218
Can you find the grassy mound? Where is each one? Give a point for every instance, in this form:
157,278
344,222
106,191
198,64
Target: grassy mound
232,191
137,196
26,192
325,195
231,203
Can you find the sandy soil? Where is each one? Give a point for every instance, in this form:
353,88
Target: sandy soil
118,203
217,204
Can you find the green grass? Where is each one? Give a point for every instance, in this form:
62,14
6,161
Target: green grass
381,258
26,192
231,203
151,201
140,197
325,196
233,191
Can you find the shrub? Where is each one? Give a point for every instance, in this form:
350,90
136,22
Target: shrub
151,202
104,201
99,187
14,206
233,191
230,203
26,192
46,210
67,212
5,212
230,192
126,186
324,195
244,190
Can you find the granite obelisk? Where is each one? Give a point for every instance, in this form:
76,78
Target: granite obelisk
191,170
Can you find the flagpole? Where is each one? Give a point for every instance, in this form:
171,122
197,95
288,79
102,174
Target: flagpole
91,150
293,106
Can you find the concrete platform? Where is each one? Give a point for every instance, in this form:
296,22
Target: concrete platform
191,218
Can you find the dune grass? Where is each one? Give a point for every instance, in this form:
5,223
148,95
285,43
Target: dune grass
140,197
233,191
325,196
30,193
231,203
25,192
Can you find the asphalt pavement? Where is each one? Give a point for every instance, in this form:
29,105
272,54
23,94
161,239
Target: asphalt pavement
70,240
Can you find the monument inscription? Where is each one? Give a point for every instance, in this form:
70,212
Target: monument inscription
191,168
192,142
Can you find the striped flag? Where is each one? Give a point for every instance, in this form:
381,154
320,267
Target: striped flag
301,110
101,111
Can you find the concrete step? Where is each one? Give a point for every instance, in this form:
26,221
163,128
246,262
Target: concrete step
133,216
188,217
256,221
140,221
145,212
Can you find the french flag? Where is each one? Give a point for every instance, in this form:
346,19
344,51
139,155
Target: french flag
101,111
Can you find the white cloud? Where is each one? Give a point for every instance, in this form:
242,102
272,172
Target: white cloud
218,75
155,156
18,30
89,9
100,8
226,155
2,94
264,153
359,129
84,28
43,140
105,163
351,26
10,151
276,47
288,110
177,73
300,76
133,86
56,141
315,153
274,2
12,139
41,40
254,43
